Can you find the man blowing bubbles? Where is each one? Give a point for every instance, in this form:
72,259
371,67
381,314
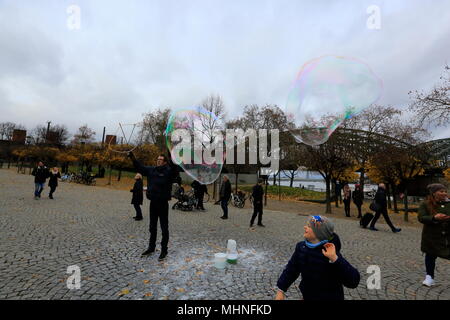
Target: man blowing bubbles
159,187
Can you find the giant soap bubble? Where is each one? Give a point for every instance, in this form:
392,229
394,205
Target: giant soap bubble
327,91
202,128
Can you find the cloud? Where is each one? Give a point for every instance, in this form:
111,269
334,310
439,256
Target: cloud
130,59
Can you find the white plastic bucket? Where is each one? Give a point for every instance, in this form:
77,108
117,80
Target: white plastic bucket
220,260
232,253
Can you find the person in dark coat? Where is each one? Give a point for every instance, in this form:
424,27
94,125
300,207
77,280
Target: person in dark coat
358,198
159,188
381,202
138,196
199,193
40,174
347,199
434,213
225,194
318,260
257,195
53,181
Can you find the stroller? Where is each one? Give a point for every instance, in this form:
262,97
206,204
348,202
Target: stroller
185,201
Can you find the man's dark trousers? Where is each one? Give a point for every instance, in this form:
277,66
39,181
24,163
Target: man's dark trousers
159,209
200,197
224,205
386,217
257,211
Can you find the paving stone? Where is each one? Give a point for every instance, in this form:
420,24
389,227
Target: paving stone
92,227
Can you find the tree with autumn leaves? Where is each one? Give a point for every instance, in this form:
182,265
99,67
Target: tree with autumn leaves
395,167
331,160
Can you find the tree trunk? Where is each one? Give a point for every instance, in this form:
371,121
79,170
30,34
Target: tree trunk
361,178
110,175
333,191
214,189
236,182
274,179
120,174
328,196
406,205
388,193
279,185
291,184
394,191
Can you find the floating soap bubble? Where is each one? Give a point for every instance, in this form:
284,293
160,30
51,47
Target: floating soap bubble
195,142
327,91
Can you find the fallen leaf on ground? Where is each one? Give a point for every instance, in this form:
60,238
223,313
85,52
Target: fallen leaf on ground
148,294
146,281
199,272
123,292
181,290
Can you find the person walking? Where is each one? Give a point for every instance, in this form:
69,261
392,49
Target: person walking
199,193
358,198
257,195
381,203
53,181
40,174
159,187
138,196
225,194
347,199
318,260
434,214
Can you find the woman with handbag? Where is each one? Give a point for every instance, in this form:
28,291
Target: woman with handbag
380,207
434,213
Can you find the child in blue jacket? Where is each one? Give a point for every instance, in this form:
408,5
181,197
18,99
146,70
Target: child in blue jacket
324,271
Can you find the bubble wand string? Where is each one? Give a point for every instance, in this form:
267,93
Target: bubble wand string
124,152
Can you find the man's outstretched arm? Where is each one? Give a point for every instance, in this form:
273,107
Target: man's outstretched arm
137,165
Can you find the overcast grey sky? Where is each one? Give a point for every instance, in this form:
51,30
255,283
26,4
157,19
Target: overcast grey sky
130,57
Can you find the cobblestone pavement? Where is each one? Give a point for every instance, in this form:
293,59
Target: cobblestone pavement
92,227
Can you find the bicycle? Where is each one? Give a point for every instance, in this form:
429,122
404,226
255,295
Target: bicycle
66,177
238,199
